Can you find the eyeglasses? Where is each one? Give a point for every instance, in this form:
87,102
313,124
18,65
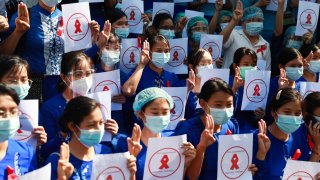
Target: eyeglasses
78,74
12,113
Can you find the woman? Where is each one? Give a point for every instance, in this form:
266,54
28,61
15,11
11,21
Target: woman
119,22
312,67
83,118
76,79
15,156
273,145
195,28
152,106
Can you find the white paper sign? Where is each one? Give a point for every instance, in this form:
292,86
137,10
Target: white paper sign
190,14
298,170
29,110
273,5
108,81
309,0
261,64
134,11
104,98
308,87
213,44
214,1
161,7
44,173
178,53
77,32
235,156
164,158
308,15
182,1
130,55
256,90
91,1
110,166
179,95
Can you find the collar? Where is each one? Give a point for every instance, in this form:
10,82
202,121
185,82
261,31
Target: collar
45,12
260,42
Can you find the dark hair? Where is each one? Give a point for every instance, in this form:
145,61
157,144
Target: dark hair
306,49
5,91
159,18
239,54
69,62
212,86
114,15
196,57
311,103
76,110
287,54
284,96
11,64
156,39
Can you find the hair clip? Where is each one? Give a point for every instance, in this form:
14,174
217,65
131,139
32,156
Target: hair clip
278,95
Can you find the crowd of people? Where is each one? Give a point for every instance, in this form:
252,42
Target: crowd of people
33,65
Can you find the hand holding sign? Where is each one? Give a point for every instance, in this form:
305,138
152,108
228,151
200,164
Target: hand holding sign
104,35
111,126
134,146
145,56
119,98
207,138
132,166
264,142
65,168
189,153
40,135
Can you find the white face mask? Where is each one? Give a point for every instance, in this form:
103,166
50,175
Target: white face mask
110,58
317,118
202,69
81,86
51,3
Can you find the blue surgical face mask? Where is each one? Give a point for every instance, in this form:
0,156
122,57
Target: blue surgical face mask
51,3
122,32
317,118
288,124
118,6
196,36
21,90
160,59
110,58
221,116
168,34
202,69
156,124
314,66
294,73
294,44
223,25
90,138
244,69
254,28
8,127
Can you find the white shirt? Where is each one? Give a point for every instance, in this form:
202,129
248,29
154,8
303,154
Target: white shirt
237,40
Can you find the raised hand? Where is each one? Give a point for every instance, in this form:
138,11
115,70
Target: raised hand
4,26
95,29
219,62
218,5
260,113
145,56
253,169
306,61
207,138
22,21
307,37
191,81
181,24
134,146
237,81
65,168
283,82
189,153
104,35
314,131
111,126
264,142
238,12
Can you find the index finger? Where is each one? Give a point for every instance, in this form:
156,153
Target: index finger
237,71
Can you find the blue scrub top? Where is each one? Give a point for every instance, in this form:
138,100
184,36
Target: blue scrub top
20,156
82,169
193,128
273,166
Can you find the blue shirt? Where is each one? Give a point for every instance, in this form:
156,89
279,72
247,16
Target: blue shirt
193,128
82,169
20,156
273,166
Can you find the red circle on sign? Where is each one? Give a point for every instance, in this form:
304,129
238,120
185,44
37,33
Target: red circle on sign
303,25
303,172
265,94
214,45
111,82
224,156
68,25
177,64
125,64
32,121
111,168
135,8
171,149
180,100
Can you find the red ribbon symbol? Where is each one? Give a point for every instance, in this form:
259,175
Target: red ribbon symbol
256,90
229,132
175,56
109,177
60,28
308,19
105,88
299,178
296,155
261,49
234,161
164,162
132,14
77,24
11,174
210,50
131,57
172,111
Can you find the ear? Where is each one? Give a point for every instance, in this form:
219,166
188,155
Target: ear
203,105
141,116
72,127
274,115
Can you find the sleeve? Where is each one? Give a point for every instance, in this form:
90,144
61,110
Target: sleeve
49,122
53,159
230,41
51,146
191,106
235,126
268,58
91,51
261,165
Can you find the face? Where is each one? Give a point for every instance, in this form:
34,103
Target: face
8,108
204,61
297,62
112,45
120,23
218,100
200,27
225,19
160,47
19,76
292,108
246,60
158,107
82,70
252,20
166,24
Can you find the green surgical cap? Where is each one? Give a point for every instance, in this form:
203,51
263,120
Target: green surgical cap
252,12
224,13
148,95
193,21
